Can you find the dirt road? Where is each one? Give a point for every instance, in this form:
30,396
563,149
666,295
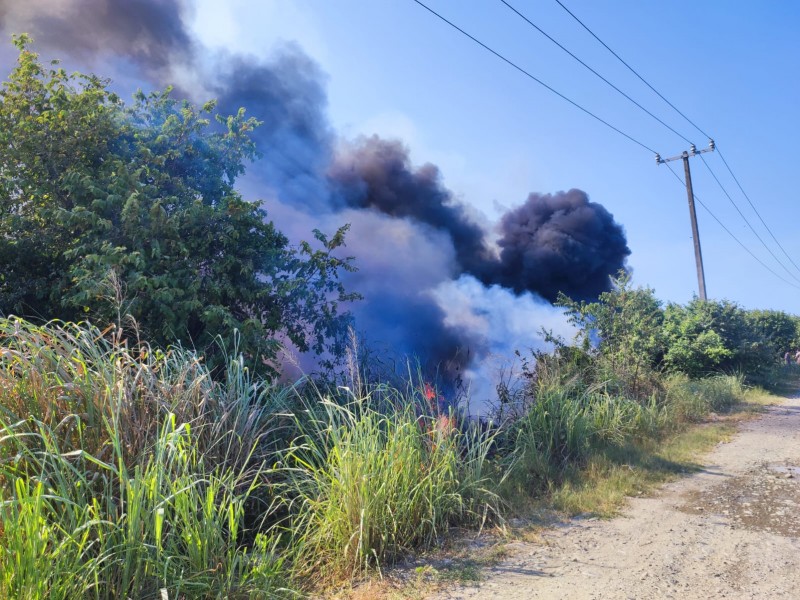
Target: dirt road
730,531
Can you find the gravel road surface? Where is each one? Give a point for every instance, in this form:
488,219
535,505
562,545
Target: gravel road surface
730,531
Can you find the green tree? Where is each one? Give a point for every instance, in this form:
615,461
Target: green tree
704,337
623,331
108,209
778,328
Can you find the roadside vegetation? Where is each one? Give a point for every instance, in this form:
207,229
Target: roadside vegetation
158,456
126,470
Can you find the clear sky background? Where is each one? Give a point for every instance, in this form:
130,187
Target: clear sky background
730,66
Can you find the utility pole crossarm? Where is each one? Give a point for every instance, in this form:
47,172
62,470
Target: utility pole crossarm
693,151
698,254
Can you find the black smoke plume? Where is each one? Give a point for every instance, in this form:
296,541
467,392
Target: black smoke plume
377,174
410,236
553,243
558,243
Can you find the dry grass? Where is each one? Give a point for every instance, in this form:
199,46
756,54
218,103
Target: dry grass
462,560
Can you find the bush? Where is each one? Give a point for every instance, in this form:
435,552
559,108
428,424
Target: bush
364,486
622,333
708,337
108,210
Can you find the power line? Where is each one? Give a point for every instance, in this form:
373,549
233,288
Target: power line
557,43
728,231
609,83
534,78
725,162
741,214
622,133
632,70
697,127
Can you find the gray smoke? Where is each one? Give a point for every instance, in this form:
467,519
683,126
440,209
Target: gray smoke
400,268
286,94
410,236
151,34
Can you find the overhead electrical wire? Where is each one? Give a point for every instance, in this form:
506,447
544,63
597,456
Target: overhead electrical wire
631,69
622,133
730,233
693,124
557,43
534,78
741,214
670,128
736,179
684,138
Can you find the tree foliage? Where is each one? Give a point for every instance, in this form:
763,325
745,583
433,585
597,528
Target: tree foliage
710,336
628,336
623,331
779,328
108,209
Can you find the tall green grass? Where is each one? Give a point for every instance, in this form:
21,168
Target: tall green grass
128,472
568,421
564,425
690,400
101,530
125,472
365,486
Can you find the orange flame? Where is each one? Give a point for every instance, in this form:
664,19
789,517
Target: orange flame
428,392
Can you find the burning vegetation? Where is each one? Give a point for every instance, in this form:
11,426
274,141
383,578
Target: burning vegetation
413,242
184,468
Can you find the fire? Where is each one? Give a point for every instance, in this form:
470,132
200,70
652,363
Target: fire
444,423
428,392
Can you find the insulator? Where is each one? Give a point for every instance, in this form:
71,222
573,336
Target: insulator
658,159
692,150
711,145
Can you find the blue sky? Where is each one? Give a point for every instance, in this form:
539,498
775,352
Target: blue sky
396,70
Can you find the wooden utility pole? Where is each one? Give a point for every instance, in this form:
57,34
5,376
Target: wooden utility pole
698,253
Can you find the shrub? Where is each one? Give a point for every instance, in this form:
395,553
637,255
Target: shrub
622,333
709,337
109,210
364,486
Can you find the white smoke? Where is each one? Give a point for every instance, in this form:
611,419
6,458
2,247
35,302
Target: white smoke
506,321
